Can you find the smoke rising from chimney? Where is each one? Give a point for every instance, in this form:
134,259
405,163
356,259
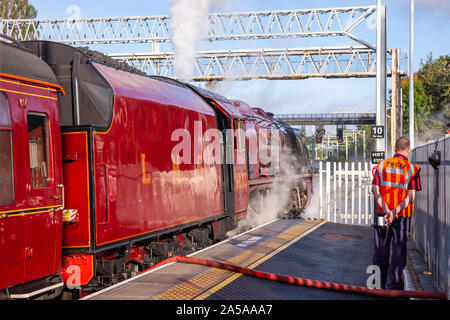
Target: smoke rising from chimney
189,25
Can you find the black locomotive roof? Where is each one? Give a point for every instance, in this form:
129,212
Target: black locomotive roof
89,98
18,61
60,53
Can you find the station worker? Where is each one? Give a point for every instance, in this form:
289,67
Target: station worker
395,183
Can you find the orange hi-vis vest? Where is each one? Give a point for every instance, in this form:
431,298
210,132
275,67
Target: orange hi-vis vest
395,174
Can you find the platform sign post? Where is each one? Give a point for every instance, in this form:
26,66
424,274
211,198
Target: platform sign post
411,76
381,73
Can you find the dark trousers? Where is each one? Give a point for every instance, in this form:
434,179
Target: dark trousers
391,243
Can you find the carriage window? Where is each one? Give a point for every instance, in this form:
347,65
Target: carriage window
242,135
39,150
6,159
235,133
239,135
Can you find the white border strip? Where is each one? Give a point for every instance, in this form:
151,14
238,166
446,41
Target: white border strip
166,265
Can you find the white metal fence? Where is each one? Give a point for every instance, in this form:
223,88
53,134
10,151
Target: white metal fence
345,192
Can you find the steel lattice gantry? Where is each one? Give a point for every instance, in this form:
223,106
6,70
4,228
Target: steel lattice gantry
222,26
274,64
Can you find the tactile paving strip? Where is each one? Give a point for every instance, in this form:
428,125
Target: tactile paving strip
341,236
205,284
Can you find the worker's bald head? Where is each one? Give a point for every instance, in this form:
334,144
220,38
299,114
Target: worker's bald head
402,145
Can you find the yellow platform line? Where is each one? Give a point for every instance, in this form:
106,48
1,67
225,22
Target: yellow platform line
257,263
205,284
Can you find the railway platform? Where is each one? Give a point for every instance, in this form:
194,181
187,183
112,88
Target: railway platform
308,249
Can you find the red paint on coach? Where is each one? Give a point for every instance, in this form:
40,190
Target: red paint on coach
76,186
132,201
240,159
251,138
31,218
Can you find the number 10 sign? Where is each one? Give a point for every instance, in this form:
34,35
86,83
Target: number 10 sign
377,132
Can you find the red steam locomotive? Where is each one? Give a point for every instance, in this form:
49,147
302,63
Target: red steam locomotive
103,170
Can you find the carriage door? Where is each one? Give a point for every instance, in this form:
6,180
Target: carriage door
44,223
240,168
12,231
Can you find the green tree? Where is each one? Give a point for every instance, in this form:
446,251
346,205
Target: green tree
370,142
425,126
431,98
16,9
435,77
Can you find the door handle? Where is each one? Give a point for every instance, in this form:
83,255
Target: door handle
60,186
28,252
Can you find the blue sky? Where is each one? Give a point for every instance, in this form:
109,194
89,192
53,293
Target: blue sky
432,25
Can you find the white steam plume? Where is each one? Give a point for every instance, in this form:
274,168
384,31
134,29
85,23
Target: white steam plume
312,210
189,24
265,207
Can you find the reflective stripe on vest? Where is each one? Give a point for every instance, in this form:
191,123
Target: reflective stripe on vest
395,175
400,172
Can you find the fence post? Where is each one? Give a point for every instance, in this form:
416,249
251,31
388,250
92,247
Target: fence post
366,198
327,190
346,192
353,192
334,190
320,190
359,192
